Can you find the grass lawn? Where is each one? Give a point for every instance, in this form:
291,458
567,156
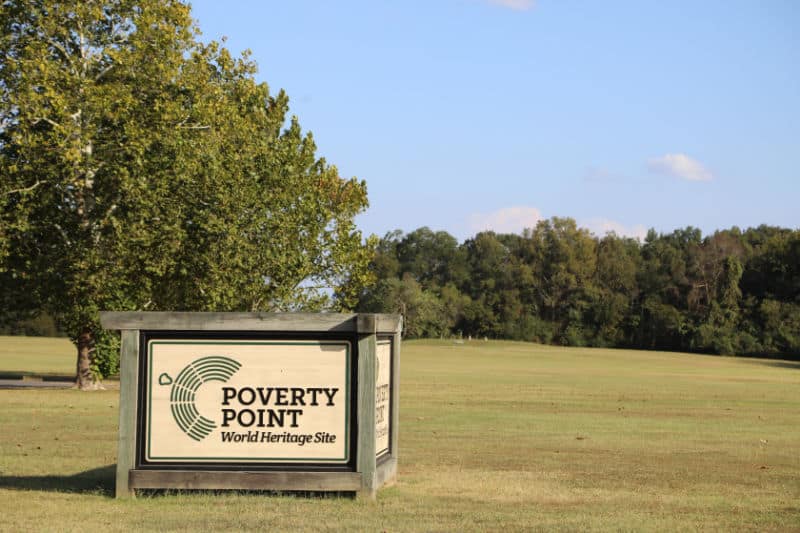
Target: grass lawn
37,355
493,436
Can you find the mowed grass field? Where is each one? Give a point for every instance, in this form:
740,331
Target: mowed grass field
37,355
494,436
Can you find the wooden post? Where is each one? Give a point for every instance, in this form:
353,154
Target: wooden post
386,464
367,348
126,443
395,402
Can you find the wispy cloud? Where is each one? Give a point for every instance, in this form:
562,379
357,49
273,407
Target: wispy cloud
506,220
515,219
516,5
601,226
680,166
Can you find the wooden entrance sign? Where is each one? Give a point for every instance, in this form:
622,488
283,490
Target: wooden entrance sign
261,401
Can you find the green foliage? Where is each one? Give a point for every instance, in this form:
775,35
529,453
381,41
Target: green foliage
732,292
144,170
105,361
41,325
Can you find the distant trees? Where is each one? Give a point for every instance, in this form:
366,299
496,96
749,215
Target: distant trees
732,292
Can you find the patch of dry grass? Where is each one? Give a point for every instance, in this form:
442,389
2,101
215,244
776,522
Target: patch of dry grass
494,436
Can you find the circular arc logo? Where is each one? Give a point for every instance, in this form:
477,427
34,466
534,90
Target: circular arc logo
184,392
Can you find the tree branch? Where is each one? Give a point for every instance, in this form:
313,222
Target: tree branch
26,189
184,126
60,47
194,127
45,119
63,234
104,72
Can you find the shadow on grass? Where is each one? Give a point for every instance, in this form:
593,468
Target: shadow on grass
783,364
299,494
39,376
95,481
790,360
101,481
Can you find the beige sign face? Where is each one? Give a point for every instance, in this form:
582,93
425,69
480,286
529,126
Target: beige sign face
383,382
259,401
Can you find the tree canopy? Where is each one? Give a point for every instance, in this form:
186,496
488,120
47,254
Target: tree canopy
143,169
732,292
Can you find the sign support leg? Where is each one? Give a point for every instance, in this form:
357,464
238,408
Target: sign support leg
367,348
126,443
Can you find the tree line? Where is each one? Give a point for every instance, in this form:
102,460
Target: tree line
732,292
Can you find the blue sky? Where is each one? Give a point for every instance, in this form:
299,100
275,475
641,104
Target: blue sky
464,115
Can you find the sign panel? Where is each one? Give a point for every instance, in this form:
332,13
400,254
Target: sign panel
383,382
247,401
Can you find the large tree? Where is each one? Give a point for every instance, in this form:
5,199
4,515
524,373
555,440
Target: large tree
143,169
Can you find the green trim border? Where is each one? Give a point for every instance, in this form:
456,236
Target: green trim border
385,451
228,342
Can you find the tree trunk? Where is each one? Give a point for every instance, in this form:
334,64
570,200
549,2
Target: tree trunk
84,379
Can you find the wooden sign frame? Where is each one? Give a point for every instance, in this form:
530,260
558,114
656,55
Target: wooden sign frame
366,471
